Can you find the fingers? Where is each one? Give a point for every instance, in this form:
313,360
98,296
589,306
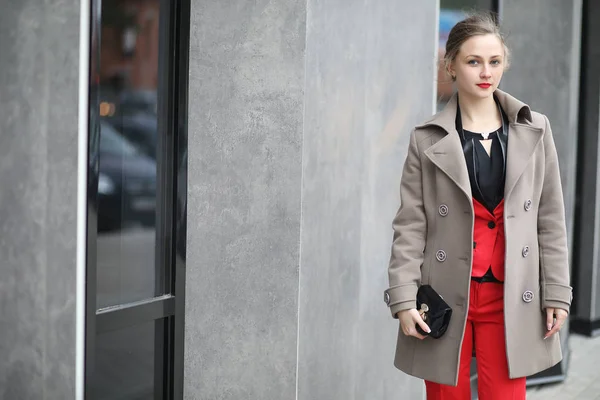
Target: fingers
422,324
549,318
418,335
551,332
561,317
413,332
408,323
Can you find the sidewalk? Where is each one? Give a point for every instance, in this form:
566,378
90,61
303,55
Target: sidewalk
583,376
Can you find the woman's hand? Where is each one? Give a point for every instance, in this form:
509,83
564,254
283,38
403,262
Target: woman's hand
554,326
408,320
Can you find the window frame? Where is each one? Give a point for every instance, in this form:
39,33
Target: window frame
169,304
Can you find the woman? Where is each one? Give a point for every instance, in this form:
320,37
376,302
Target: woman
482,221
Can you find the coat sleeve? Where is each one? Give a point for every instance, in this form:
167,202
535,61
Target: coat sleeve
552,233
409,228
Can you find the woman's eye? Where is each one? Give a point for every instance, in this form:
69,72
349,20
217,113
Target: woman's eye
472,62
495,62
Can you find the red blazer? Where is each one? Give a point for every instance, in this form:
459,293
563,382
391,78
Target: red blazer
489,242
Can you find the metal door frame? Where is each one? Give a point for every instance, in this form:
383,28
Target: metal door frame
170,228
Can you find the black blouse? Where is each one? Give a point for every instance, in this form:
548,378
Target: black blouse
486,171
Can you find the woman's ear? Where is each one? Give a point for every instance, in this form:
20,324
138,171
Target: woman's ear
450,70
451,73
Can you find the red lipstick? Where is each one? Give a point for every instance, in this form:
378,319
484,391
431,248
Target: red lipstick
484,85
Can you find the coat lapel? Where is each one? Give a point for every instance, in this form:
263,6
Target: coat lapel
447,154
522,140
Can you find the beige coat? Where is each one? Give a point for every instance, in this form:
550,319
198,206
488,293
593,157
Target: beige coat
433,236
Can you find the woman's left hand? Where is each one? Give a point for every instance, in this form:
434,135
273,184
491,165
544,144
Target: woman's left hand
552,325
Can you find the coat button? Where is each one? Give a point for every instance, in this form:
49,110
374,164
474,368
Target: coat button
443,210
440,255
527,205
528,296
491,224
386,298
525,251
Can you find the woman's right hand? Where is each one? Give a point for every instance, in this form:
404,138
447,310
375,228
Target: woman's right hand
409,319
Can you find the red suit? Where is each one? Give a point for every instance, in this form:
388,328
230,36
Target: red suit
484,330
488,237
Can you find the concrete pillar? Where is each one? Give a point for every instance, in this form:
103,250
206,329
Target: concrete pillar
39,43
585,317
545,39
300,114
245,153
369,80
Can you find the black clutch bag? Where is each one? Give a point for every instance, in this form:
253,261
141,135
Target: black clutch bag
434,310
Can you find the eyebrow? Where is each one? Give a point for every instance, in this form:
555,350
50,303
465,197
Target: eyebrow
476,56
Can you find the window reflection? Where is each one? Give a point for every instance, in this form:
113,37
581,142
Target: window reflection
126,87
126,359
126,183
128,40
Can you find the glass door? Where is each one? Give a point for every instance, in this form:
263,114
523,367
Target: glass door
136,199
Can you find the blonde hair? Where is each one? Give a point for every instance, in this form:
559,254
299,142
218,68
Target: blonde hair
481,23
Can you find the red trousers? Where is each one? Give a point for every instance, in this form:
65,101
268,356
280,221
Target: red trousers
484,332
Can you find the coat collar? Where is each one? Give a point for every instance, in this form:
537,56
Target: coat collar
516,111
447,154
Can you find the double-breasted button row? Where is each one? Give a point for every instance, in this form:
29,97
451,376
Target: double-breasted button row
443,210
440,255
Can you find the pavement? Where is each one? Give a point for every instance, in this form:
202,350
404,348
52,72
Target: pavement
583,375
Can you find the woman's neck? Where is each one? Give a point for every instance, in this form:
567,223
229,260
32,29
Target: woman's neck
479,114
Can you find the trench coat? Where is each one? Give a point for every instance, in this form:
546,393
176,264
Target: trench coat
433,239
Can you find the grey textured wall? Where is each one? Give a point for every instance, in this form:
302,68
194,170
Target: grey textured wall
587,300
247,99
39,44
294,100
545,38
245,139
369,81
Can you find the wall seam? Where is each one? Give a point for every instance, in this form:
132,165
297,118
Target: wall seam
306,13
45,95
82,162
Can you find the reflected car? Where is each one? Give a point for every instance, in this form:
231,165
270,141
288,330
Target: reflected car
126,182
135,101
140,129
133,113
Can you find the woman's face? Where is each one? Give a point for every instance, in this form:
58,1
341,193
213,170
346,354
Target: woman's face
479,66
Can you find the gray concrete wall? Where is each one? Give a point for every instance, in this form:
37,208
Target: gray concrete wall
245,143
587,301
369,80
266,130
39,43
545,39
294,100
